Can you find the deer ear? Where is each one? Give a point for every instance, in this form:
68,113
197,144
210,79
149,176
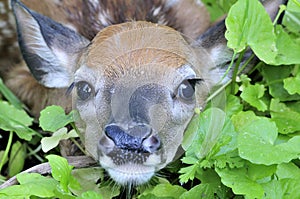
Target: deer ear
49,48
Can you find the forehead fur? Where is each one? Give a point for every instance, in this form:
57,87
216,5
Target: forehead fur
134,44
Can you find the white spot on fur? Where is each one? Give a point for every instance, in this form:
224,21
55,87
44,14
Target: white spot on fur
156,11
104,18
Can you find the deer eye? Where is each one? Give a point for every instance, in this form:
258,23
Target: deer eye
186,90
84,90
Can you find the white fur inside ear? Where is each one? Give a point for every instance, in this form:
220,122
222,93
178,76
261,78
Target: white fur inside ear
56,80
50,71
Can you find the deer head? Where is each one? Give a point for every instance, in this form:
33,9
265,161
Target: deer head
135,84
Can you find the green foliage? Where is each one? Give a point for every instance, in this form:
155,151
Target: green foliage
259,158
17,158
16,120
254,28
53,118
33,184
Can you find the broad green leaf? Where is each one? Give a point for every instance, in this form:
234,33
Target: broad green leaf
31,184
248,24
166,191
256,143
253,95
259,172
13,119
240,182
201,191
212,121
53,118
286,119
291,19
243,119
49,143
89,179
90,195
282,189
288,170
274,77
61,171
288,48
292,84
190,132
233,105
17,158
218,8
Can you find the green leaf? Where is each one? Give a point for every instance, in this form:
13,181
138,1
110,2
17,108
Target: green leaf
212,121
274,77
218,8
248,24
61,171
282,189
287,120
253,95
31,184
49,143
17,158
90,195
288,170
89,179
10,96
13,119
240,182
243,119
291,19
188,173
53,118
165,191
190,132
233,105
200,191
256,143
288,48
291,84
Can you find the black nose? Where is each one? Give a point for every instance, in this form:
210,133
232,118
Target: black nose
138,138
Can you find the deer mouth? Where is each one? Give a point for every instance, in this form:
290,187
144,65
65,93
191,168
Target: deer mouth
133,166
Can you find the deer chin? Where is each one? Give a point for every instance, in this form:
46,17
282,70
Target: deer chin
131,172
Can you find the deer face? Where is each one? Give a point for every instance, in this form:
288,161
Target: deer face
136,96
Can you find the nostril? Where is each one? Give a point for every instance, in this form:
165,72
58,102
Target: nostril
112,131
121,139
152,144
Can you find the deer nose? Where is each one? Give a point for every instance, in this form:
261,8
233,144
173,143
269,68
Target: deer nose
137,138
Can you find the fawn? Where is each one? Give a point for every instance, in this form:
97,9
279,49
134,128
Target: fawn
135,71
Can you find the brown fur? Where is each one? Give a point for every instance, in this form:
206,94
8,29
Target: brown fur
30,91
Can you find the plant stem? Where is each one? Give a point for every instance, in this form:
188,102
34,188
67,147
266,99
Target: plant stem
34,153
8,146
236,69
